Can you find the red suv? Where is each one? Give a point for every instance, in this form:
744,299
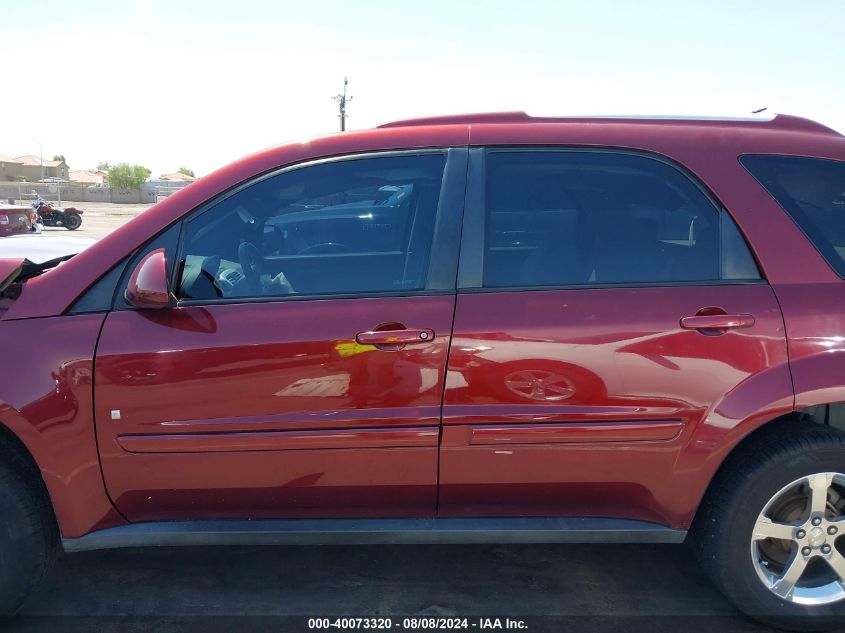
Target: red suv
463,329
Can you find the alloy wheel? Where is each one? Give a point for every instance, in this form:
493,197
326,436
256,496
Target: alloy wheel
795,543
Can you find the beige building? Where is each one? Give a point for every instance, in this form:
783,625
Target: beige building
89,176
11,169
30,169
176,176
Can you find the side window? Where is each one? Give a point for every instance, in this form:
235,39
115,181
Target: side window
350,226
586,218
812,191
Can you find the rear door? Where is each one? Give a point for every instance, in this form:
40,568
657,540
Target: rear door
606,306
300,373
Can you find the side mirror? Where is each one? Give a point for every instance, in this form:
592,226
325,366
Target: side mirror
147,287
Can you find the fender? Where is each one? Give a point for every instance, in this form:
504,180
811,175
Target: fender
756,401
819,379
46,401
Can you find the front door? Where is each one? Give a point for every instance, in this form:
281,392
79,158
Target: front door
301,372
608,308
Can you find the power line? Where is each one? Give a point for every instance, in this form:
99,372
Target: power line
342,100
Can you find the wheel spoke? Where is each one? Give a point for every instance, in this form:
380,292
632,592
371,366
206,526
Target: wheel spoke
819,485
837,563
785,585
766,528
561,389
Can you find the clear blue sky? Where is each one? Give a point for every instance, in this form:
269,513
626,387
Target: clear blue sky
170,83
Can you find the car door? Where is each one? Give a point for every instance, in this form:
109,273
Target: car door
606,306
299,371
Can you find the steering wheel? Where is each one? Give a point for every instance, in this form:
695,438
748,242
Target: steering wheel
252,264
323,247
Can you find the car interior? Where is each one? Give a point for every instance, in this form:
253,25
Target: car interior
564,223
345,227
818,190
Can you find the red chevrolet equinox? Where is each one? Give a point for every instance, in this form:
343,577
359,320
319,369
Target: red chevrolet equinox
465,329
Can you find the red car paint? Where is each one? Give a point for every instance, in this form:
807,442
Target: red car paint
583,453
16,220
284,378
273,409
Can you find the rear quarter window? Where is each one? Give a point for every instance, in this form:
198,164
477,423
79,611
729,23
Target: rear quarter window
812,192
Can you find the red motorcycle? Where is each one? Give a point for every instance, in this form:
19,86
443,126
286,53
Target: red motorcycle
48,215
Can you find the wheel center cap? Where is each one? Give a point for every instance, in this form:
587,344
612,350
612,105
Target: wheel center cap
816,537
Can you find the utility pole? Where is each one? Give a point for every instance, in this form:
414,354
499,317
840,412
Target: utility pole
40,158
342,100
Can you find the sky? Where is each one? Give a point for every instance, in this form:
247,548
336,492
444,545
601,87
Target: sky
170,83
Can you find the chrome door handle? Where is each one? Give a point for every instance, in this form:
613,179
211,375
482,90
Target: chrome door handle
395,337
717,321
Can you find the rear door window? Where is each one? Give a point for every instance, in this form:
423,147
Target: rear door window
812,192
573,218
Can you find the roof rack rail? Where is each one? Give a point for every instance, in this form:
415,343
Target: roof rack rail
516,116
784,122
800,124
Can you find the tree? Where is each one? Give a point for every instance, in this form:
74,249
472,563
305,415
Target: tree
103,165
187,172
60,157
126,176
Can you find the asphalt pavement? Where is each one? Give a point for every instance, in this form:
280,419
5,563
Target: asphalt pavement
548,587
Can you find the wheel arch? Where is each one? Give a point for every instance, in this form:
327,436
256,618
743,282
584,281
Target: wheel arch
14,451
46,405
22,447
749,408
759,407
830,414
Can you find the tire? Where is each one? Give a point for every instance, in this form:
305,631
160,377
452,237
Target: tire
28,535
73,221
776,473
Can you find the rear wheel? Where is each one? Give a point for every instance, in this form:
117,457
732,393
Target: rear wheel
770,531
27,534
73,221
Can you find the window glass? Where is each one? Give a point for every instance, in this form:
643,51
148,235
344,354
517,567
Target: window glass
351,226
812,191
586,218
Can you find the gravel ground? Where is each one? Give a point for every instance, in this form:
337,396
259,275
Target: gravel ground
100,220
93,226
109,208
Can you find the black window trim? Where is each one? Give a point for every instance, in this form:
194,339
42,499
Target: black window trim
100,296
471,264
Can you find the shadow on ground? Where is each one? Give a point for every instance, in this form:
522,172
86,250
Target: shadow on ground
589,588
